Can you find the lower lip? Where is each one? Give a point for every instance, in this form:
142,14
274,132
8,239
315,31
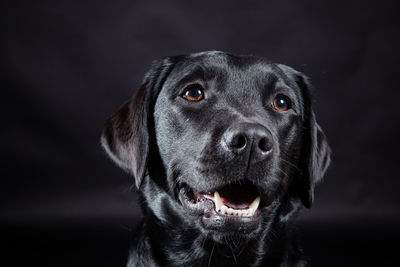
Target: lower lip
215,213
222,224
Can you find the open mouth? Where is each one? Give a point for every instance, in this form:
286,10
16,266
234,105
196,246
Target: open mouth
240,199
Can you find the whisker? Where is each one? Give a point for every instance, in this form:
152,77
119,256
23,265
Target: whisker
211,254
279,169
289,163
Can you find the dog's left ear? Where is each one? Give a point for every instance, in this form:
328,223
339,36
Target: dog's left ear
316,152
316,160
125,136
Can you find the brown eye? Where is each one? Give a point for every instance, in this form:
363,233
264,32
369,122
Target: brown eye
193,93
282,103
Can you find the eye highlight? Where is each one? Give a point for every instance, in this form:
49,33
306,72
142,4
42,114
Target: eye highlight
193,93
282,103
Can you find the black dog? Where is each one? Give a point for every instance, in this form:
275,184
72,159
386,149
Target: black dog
225,150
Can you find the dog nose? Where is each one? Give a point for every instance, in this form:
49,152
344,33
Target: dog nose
248,138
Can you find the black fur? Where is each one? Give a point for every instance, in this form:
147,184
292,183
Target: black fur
172,146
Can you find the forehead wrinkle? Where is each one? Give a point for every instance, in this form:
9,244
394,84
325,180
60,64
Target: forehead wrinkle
252,75
193,70
285,79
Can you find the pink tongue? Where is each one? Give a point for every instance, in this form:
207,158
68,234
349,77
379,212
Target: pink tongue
236,205
227,202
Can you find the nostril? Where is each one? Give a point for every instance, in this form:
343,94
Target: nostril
238,142
264,145
248,139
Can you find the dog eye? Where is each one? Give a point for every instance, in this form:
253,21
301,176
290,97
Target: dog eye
193,93
282,103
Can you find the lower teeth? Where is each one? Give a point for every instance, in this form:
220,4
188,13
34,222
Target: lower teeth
229,211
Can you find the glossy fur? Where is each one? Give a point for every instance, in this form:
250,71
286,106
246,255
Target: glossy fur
165,140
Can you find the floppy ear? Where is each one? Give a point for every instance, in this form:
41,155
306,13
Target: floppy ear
125,136
315,156
316,160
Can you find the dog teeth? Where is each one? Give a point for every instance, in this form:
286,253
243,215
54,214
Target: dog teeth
220,207
217,201
230,211
224,209
255,203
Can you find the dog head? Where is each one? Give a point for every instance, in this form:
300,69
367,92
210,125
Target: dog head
224,143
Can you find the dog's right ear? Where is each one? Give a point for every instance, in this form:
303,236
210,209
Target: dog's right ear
125,136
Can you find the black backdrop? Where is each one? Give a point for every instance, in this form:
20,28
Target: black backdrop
66,66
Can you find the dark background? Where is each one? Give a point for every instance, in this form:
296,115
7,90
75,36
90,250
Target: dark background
66,66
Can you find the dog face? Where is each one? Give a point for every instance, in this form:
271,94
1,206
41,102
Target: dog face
225,144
